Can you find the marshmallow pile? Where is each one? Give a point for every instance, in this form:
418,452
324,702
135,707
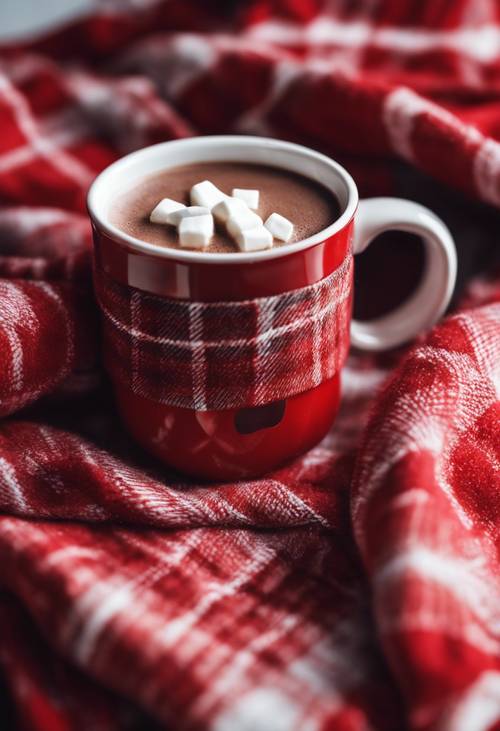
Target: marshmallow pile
237,212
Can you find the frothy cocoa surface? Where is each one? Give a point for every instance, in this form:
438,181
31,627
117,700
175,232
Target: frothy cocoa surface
309,205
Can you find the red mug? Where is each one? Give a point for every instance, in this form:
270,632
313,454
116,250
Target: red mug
238,443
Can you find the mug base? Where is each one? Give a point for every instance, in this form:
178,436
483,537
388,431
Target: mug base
232,444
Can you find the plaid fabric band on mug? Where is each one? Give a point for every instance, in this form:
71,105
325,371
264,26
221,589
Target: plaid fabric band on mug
225,355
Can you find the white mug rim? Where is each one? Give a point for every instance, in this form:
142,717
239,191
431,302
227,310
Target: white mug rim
240,141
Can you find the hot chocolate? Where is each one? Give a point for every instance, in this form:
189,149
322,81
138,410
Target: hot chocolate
307,204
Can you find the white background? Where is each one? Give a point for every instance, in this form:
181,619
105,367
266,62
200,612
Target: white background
22,18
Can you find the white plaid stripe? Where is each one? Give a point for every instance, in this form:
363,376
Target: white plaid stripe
134,325
479,42
44,146
197,346
317,333
11,489
265,314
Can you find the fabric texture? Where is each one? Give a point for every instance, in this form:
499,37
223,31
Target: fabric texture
226,355
356,588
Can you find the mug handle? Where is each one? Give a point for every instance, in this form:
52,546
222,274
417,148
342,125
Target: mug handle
426,305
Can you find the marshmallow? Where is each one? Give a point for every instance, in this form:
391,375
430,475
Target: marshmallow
250,197
195,232
228,208
176,217
280,227
241,221
254,239
164,209
206,194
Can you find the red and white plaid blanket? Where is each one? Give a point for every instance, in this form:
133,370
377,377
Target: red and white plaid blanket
356,589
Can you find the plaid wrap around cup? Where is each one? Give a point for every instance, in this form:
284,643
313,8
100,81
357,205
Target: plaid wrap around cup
226,355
